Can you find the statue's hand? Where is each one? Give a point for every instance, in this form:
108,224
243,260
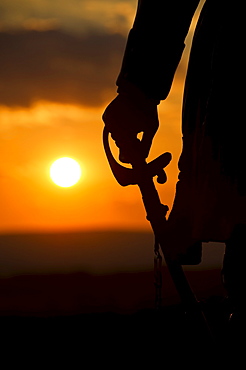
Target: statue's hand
125,118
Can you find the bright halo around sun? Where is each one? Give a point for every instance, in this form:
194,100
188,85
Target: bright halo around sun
65,172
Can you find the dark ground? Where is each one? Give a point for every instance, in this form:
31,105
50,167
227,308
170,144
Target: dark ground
114,340
86,300
109,338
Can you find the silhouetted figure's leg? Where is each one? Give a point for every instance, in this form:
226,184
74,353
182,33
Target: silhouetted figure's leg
234,275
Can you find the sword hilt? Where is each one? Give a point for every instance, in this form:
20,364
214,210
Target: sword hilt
130,176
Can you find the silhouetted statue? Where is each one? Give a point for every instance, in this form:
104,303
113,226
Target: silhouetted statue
210,201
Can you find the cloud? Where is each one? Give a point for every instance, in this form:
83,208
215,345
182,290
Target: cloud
58,67
45,114
64,52
74,16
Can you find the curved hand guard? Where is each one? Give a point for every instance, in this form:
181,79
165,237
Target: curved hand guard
129,176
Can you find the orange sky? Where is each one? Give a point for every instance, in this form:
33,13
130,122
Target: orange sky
58,74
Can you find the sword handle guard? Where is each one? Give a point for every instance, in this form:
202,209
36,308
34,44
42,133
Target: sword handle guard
129,176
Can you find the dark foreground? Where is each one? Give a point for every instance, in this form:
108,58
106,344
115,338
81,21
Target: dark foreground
116,340
85,300
86,321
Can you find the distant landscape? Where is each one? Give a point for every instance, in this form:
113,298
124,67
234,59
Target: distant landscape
83,272
90,296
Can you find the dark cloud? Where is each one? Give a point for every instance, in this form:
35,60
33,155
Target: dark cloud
58,67
76,16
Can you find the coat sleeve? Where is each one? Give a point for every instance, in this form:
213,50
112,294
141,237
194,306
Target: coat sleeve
155,45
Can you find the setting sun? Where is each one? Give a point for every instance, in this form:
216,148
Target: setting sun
65,172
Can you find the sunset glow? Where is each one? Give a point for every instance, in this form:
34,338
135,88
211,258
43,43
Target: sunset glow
52,97
78,253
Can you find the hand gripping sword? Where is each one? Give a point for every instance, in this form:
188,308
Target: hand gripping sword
142,174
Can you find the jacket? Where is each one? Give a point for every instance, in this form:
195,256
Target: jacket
211,192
